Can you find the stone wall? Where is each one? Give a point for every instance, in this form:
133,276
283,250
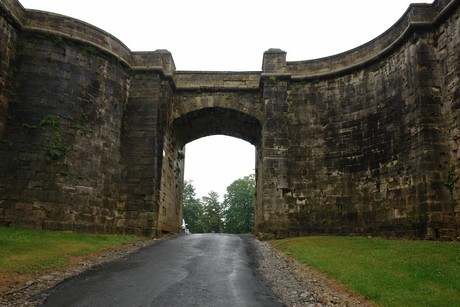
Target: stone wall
62,158
365,142
9,27
82,146
365,151
172,170
445,216
358,160
171,189
141,151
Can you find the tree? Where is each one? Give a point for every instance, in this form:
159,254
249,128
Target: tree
212,217
239,205
193,209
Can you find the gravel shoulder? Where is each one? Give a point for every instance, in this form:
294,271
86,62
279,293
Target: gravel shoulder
295,284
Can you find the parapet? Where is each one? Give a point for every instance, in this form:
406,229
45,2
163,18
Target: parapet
418,16
85,33
223,81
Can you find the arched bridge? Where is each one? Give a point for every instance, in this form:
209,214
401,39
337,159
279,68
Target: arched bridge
365,142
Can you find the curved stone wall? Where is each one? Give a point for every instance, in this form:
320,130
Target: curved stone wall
69,117
419,17
64,134
358,148
363,142
366,150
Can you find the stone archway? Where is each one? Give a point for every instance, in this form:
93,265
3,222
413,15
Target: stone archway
216,120
189,127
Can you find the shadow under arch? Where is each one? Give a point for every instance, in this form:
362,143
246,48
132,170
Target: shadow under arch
216,120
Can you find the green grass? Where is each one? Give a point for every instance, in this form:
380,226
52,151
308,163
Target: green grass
388,272
28,251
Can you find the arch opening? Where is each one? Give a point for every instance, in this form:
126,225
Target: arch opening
219,185
189,127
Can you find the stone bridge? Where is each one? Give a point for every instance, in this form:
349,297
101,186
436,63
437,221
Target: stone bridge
365,142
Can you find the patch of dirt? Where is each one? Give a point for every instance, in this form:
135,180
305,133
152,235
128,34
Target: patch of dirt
10,281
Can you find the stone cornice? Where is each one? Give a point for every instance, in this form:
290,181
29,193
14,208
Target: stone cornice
417,17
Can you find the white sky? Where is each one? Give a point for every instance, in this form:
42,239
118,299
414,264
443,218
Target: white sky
232,36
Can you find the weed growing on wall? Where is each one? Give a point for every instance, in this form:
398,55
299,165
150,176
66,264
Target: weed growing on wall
450,181
85,130
56,149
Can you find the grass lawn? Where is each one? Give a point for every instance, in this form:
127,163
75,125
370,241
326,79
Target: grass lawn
26,251
388,272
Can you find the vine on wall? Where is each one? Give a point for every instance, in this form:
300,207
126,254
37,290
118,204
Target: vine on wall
56,149
450,181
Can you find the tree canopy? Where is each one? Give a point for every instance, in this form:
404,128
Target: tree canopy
234,215
193,210
239,205
212,217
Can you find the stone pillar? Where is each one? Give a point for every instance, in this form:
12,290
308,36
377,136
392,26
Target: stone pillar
437,204
274,148
143,140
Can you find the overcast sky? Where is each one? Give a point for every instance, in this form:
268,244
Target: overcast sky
232,36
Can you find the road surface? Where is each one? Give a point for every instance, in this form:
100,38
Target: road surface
189,270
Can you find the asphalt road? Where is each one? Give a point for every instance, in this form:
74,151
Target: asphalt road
189,270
